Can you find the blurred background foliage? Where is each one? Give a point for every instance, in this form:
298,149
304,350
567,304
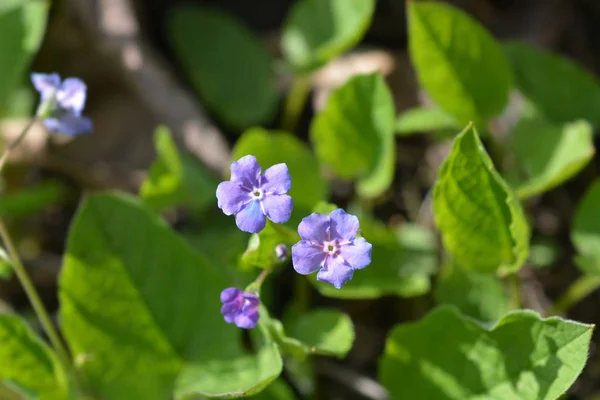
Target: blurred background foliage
212,71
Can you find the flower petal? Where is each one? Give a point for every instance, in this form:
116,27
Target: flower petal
278,208
246,170
45,84
251,218
306,257
230,294
230,310
315,227
69,124
246,321
344,226
357,254
231,197
277,179
251,304
72,94
335,272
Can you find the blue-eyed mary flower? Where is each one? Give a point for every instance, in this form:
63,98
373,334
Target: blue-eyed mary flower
253,197
329,245
239,307
61,103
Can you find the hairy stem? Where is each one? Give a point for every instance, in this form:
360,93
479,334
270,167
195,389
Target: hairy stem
34,298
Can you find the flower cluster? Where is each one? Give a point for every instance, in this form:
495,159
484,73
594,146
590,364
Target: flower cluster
62,103
328,242
239,307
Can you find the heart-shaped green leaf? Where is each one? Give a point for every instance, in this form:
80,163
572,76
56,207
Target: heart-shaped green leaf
226,64
354,133
457,61
28,365
125,272
562,90
547,153
480,218
176,179
447,356
22,27
328,332
481,296
317,31
270,148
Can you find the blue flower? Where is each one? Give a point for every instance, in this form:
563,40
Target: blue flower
239,307
62,103
329,245
253,198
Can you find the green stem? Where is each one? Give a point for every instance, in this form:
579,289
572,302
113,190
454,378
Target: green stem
261,278
515,285
257,283
34,298
578,290
294,102
16,142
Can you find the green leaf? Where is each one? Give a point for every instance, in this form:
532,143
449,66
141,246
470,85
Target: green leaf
28,365
31,200
586,230
22,27
549,154
324,207
278,390
425,119
125,272
261,246
270,148
480,218
458,61
226,63
322,331
354,133
481,296
219,239
176,179
317,31
401,265
446,356
20,101
562,90
328,332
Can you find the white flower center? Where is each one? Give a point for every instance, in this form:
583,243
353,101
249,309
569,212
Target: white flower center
257,193
331,247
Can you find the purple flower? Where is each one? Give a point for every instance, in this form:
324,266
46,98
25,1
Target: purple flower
329,245
239,307
253,198
62,103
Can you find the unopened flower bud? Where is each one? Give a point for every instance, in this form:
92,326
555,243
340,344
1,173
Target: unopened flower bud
281,252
